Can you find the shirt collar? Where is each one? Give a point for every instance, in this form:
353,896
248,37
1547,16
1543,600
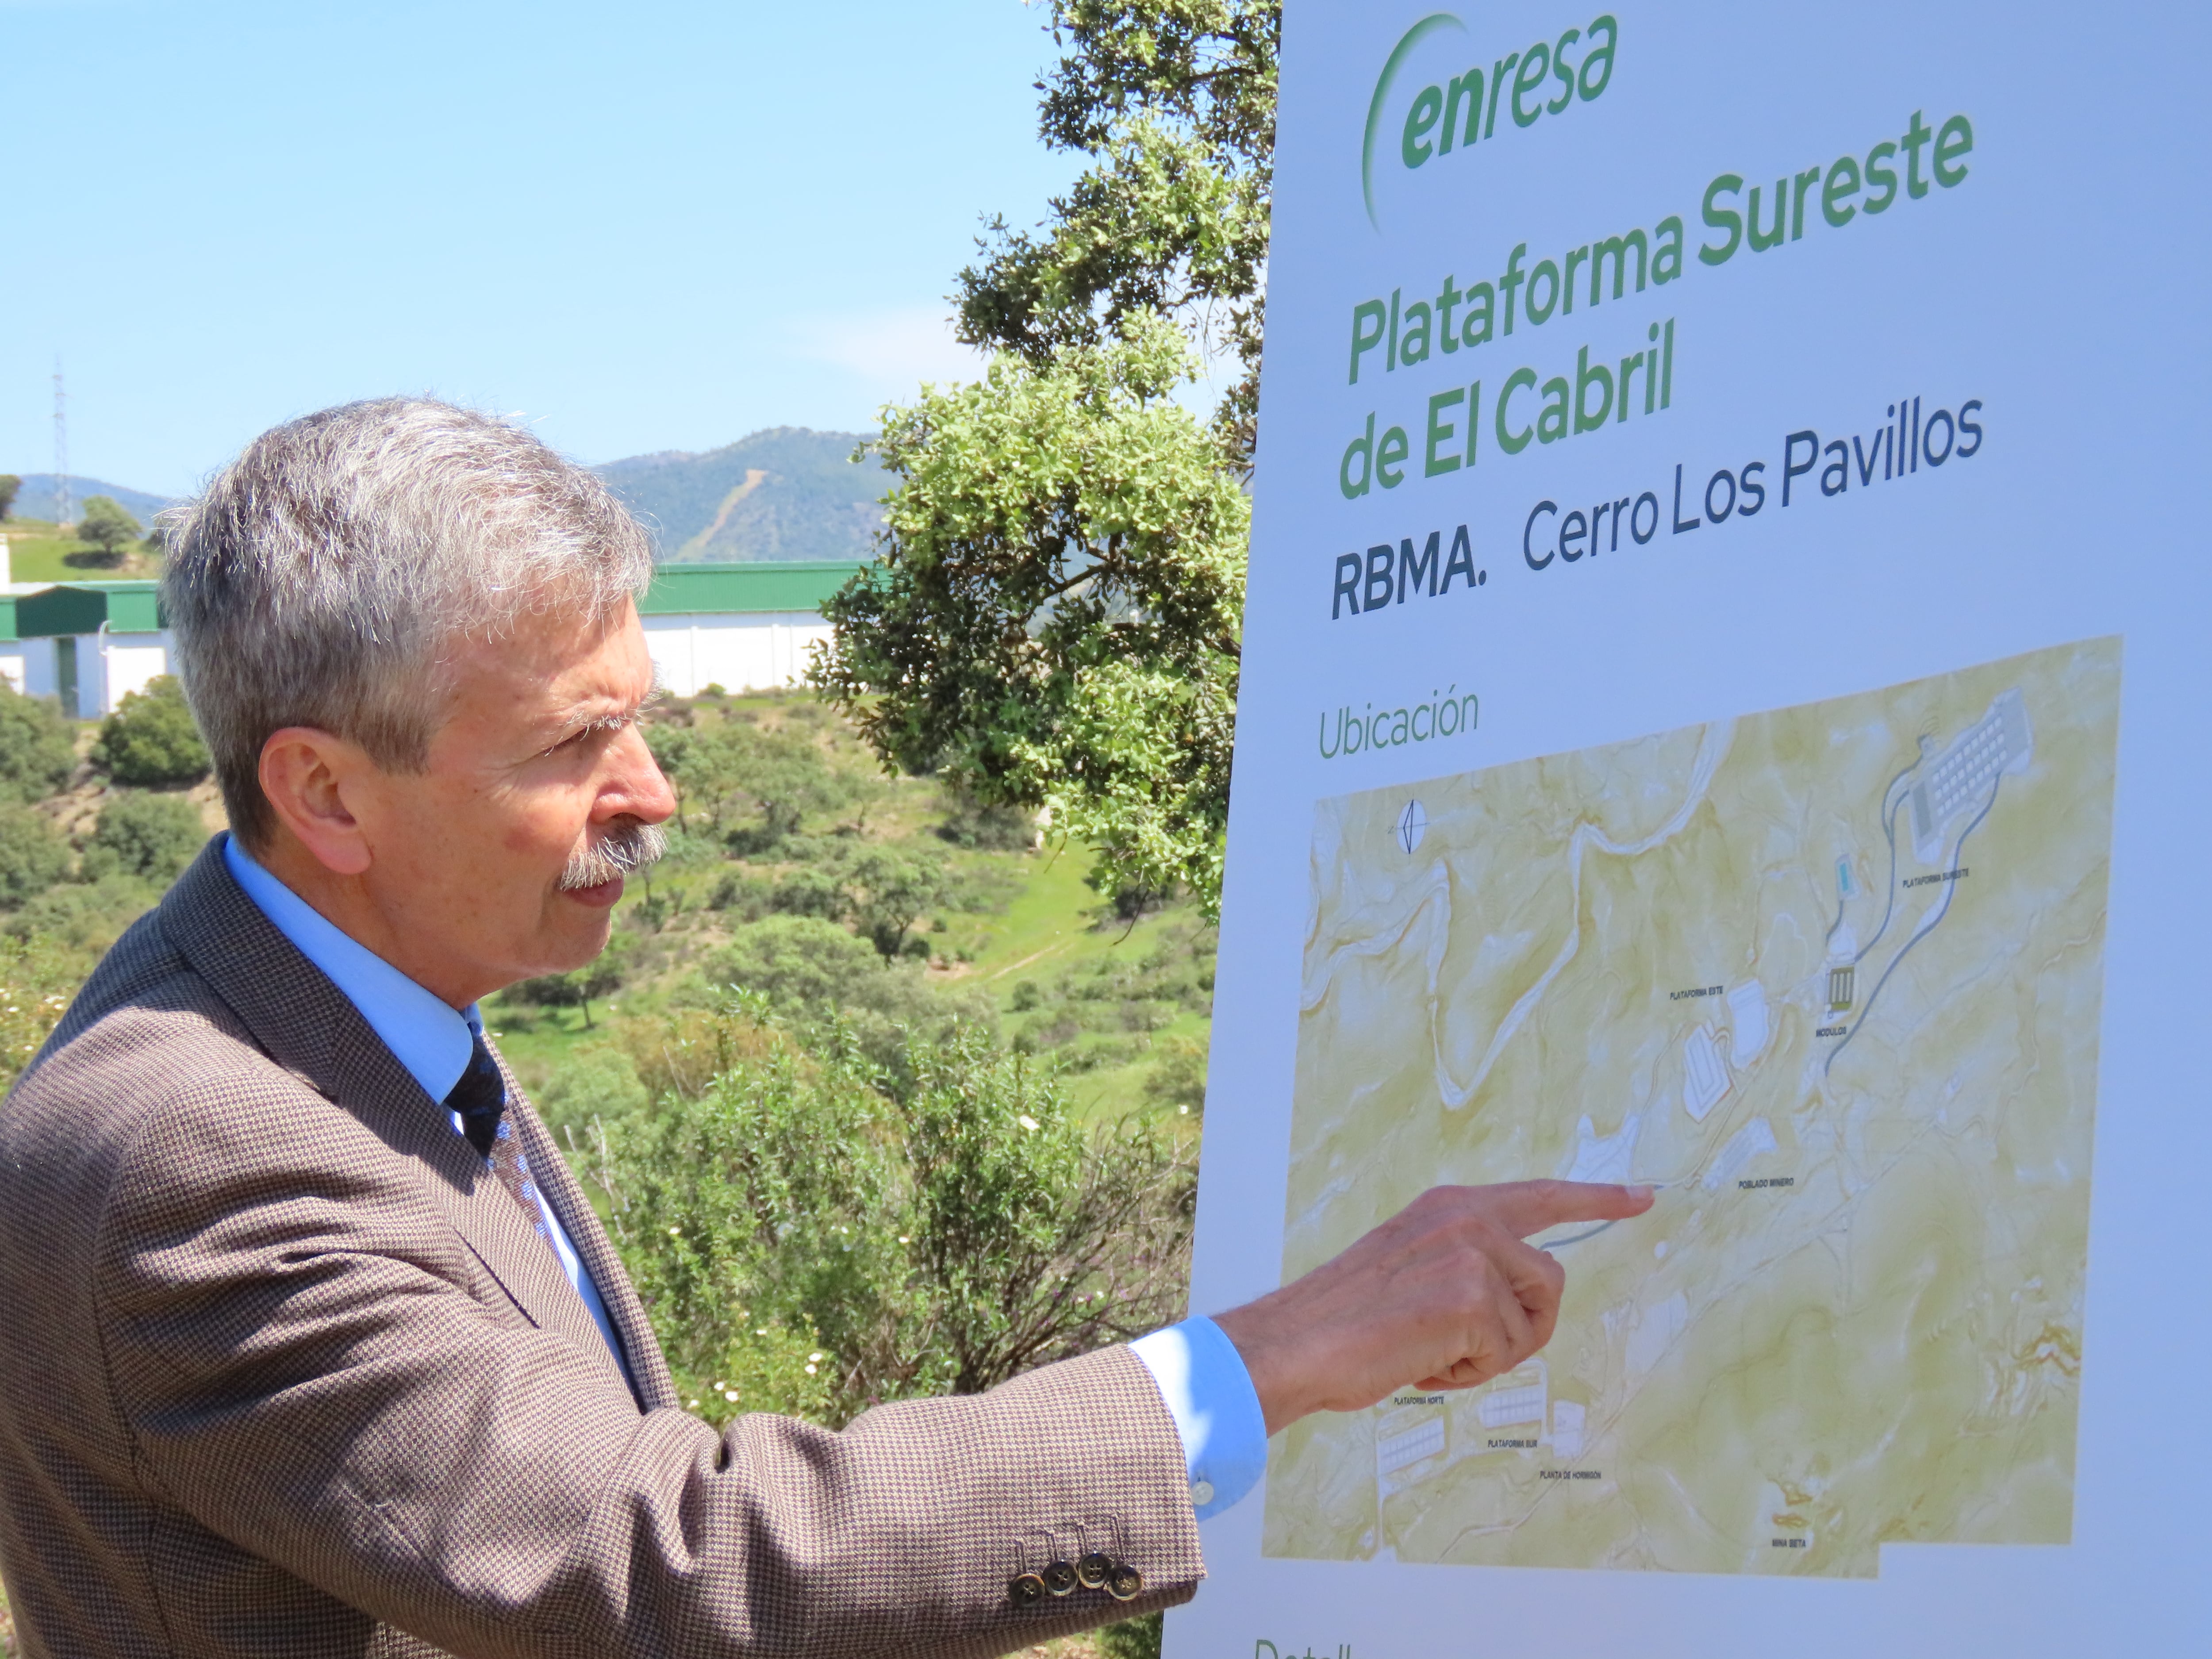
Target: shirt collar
426,1035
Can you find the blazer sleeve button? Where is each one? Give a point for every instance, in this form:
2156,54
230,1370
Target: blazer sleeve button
1026,1591
1094,1570
1059,1578
1127,1584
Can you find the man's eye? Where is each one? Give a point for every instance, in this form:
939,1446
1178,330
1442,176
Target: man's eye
596,729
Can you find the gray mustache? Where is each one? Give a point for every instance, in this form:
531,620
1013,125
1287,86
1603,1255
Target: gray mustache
622,851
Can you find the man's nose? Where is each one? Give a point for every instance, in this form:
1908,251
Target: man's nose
638,789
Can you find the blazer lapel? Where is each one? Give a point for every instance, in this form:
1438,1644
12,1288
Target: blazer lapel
654,1386
306,1024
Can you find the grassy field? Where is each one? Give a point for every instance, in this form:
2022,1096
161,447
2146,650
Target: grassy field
39,552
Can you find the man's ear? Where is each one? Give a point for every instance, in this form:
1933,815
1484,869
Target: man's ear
307,775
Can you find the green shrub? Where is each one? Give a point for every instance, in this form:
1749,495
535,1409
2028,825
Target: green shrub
33,857
747,898
598,1083
152,836
808,891
87,916
937,1240
1178,1077
37,753
1132,1639
805,965
813,972
724,767
970,823
150,741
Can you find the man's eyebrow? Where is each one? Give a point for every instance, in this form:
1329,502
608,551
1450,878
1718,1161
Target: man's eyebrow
574,723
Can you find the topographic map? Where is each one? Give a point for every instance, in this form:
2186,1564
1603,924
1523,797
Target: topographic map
1829,978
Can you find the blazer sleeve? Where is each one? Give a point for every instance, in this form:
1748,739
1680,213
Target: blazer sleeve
301,1357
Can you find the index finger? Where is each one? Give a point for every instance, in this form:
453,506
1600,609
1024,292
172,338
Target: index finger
1523,1207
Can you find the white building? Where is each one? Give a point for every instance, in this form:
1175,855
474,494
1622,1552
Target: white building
742,627
83,643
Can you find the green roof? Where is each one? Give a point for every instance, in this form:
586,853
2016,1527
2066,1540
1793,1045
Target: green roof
134,607
127,607
768,584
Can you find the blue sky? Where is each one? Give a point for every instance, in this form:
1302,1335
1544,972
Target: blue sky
642,226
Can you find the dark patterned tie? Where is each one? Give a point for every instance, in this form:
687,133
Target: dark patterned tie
480,1099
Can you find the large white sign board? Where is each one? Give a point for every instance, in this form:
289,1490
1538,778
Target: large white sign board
1725,702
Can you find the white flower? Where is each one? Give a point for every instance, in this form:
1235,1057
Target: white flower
1026,1121
816,1357
810,1371
693,1405
903,1239
730,1394
719,1386
1185,1111
676,1232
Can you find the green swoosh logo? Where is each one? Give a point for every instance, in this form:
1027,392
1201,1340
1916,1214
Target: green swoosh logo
1414,35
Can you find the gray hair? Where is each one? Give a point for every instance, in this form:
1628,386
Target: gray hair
324,577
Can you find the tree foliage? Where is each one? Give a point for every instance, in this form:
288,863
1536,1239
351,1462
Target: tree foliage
150,836
151,742
33,857
109,528
1174,100
892,891
10,487
579,988
1055,623
731,767
1053,616
940,1238
37,746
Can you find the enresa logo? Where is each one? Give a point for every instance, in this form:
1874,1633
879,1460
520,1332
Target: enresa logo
1450,117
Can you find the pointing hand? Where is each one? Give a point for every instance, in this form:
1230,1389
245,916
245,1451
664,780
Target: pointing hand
1446,1291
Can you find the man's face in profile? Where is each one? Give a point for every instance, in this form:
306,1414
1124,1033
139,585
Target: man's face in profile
538,766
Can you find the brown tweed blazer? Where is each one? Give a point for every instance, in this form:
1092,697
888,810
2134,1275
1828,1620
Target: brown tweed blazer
283,1371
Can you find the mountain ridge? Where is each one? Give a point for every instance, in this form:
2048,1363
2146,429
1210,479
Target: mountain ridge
782,493
39,499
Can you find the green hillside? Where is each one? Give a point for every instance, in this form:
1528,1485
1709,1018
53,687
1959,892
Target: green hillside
990,926
786,493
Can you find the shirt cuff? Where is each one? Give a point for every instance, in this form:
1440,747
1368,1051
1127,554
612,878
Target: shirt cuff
1208,1392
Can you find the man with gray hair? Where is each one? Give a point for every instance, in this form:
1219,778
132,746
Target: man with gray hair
316,1347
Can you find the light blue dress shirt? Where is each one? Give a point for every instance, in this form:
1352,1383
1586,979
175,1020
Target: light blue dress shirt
425,1034
1209,1396
1199,1373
